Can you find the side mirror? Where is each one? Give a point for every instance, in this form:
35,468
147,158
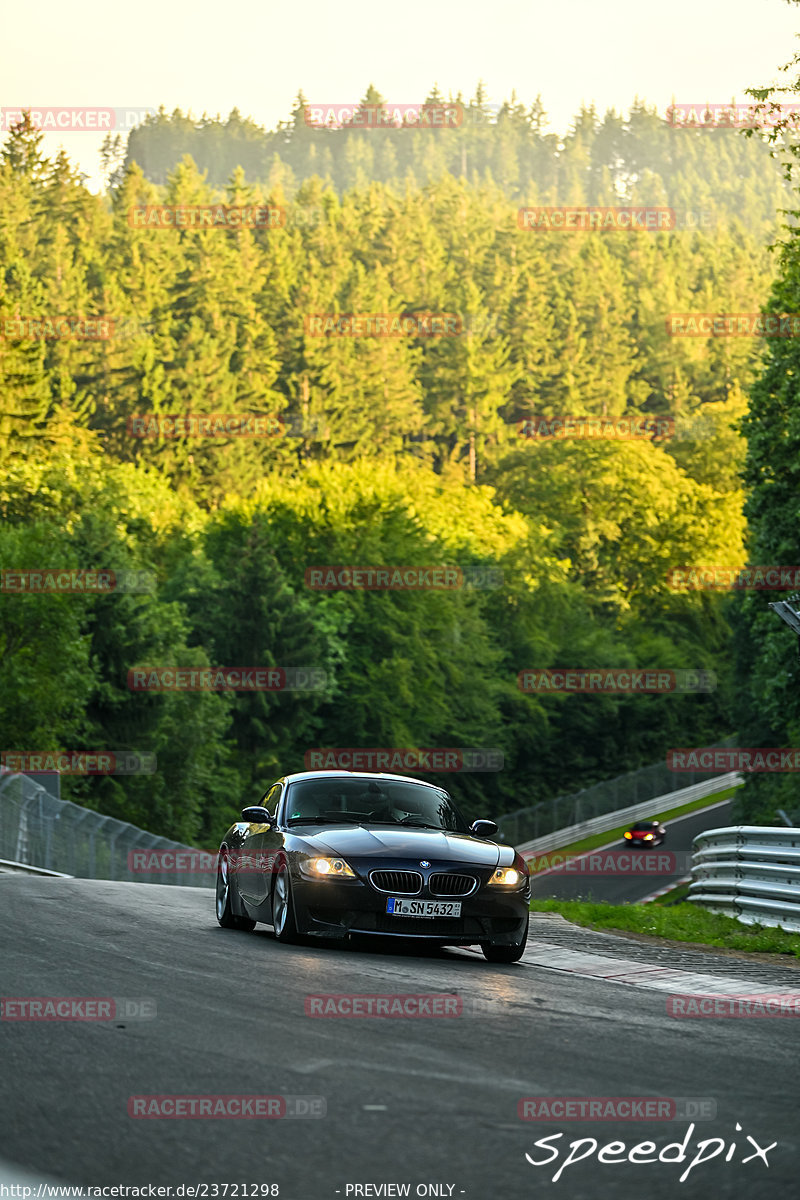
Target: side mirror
257,815
483,829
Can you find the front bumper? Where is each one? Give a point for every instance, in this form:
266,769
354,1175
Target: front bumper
336,909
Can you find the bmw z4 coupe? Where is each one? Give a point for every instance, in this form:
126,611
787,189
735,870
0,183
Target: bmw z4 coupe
329,854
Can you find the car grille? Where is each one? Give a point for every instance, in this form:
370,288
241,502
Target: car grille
441,884
401,883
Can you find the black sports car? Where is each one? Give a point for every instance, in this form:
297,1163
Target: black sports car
335,853
645,833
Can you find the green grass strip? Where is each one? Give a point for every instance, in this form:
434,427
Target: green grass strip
683,922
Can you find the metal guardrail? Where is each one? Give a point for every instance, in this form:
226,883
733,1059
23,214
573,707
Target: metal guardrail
623,816
37,830
611,795
751,872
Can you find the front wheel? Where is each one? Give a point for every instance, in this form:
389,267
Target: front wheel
505,954
225,914
283,918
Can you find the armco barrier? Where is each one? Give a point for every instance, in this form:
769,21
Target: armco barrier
751,872
39,831
609,796
622,816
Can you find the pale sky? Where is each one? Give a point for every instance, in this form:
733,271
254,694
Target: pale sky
209,56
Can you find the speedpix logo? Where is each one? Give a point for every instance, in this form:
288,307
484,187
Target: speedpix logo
616,1153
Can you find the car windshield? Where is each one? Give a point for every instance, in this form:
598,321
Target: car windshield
372,802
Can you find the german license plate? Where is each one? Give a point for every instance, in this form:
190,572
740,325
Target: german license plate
398,907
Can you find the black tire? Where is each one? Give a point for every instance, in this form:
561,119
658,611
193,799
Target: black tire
505,954
225,914
283,916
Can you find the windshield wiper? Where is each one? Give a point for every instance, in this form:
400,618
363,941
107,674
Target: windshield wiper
325,821
401,821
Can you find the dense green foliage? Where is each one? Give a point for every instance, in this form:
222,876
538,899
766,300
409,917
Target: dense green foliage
767,710
407,451
640,156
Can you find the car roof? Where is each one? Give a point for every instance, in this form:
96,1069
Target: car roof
342,774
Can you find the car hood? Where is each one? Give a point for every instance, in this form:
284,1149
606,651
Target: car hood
384,842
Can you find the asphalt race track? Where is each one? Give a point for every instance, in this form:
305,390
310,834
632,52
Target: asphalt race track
630,888
418,1102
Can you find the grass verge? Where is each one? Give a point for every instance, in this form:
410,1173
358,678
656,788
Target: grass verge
682,922
674,896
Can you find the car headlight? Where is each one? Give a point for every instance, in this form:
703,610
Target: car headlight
648,837
327,868
505,877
